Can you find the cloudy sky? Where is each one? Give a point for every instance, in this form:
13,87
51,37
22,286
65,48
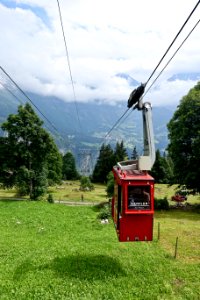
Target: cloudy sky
104,38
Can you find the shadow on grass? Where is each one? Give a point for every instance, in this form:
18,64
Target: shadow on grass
99,206
81,267
12,200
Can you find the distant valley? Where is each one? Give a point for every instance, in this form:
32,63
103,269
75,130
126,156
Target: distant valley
81,128
96,120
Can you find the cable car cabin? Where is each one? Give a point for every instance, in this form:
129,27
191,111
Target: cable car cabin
133,201
133,205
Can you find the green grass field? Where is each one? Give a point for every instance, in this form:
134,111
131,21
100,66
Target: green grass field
69,191
53,251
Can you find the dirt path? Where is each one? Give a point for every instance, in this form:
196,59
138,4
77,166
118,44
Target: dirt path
70,203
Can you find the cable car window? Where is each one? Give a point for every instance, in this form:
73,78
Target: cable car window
139,197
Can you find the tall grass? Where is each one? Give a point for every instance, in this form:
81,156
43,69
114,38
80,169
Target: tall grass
52,251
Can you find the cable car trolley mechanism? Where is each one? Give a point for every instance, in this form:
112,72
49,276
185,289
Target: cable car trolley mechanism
133,200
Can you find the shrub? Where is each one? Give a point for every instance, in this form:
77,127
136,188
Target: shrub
105,211
110,184
50,198
161,204
85,184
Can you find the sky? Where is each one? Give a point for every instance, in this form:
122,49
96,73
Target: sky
104,39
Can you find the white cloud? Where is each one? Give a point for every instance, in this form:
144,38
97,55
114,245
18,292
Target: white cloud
169,92
103,38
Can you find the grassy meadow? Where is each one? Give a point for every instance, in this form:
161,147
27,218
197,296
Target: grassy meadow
54,251
69,191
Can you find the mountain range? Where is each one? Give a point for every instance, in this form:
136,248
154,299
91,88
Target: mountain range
86,126
82,127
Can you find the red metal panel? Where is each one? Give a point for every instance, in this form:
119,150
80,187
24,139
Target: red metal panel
136,228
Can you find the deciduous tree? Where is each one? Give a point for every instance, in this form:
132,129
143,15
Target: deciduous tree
28,153
184,136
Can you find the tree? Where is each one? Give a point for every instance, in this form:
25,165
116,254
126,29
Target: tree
120,152
161,169
54,166
28,153
134,155
184,136
104,164
110,184
69,167
85,184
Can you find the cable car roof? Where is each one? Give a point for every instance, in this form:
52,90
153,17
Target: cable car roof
131,174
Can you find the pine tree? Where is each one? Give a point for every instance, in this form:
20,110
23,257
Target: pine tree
161,170
69,167
134,155
104,164
120,153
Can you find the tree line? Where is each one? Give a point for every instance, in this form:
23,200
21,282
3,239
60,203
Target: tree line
162,170
31,161
180,163
29,158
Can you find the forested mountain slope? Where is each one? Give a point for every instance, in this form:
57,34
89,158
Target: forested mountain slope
96,119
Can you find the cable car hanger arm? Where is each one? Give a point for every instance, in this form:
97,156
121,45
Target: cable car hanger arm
145,162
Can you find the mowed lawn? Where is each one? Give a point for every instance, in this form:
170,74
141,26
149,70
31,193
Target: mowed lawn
53,251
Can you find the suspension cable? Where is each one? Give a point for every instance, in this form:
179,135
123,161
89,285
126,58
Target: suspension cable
117,122
122,121
8,90
18,87
173,41
172,57
68,61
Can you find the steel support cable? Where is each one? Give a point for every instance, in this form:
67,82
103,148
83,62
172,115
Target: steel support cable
173,41
18,87
60,138
68,61
8,90
164,67
117,122
172,57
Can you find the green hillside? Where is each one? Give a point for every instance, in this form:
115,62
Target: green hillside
52,251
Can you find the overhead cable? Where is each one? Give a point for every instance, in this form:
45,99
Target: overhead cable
8,90
116,123
144,85
68,61
172,56
28,99
122,121
173,41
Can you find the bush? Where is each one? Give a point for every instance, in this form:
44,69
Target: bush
85,184
161,204
50,198
105,211
110,184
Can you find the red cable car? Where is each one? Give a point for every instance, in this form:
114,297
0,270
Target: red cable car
133,200
133,205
